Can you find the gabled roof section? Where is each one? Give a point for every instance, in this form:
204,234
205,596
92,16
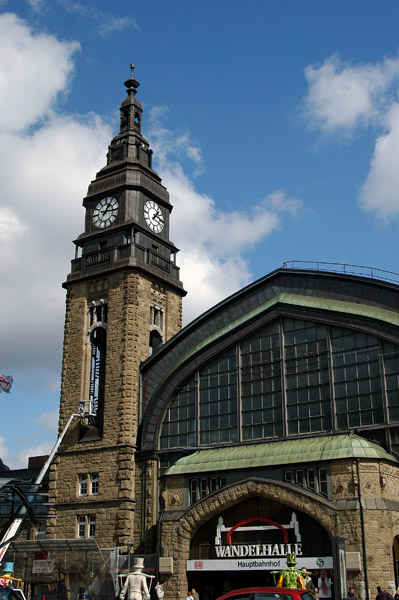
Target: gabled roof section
343,300
285,452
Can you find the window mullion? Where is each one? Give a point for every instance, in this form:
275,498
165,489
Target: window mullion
331,378
239,393
283,378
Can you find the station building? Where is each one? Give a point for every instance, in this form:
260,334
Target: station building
270,424
274,421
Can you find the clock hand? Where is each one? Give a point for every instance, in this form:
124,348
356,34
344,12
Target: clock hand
158,216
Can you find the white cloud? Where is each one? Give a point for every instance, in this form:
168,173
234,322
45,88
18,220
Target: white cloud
106,23
171,147
37,5
35,68
48,420
44,175
113,24
22,458
344,97
213,241
47,424
380,191
4,454
10,225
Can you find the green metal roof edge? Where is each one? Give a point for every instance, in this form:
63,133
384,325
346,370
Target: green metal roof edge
299,300
282,452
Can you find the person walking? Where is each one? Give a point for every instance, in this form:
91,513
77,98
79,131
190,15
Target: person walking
159,591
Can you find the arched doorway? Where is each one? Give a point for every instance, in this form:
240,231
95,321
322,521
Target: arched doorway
224,556
395,552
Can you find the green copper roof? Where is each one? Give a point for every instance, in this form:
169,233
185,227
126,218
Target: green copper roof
352,308
324,448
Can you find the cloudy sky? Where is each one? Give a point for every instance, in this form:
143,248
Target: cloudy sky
274,128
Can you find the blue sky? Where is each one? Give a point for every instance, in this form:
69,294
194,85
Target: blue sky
274,125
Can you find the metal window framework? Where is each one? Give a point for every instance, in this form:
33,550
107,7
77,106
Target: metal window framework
322,359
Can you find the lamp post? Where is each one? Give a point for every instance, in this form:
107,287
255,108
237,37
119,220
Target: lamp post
129,545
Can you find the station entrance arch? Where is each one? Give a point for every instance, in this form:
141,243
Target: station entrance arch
246,545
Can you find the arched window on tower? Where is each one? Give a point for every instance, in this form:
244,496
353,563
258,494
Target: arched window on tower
124,121
157,318
97,338
137,119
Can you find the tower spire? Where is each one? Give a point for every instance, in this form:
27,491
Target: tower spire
131,84
131,108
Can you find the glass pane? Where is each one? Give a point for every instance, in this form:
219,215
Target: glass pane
342,421
354,419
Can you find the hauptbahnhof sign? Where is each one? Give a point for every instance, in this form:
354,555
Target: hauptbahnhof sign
259,556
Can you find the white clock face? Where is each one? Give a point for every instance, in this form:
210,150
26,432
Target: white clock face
105,212
153,216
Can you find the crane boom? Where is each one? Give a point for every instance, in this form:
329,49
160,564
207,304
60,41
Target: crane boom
13,530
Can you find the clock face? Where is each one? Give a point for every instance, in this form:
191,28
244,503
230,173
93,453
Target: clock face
153,216
105,212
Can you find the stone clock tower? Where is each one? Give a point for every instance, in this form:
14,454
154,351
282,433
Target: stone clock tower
123,301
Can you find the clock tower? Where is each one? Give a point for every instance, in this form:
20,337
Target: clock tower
123,300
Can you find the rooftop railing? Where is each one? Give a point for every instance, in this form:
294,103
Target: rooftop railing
347,269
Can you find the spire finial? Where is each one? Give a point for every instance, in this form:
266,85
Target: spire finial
131,83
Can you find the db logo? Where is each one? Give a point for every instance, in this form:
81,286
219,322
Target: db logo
198,564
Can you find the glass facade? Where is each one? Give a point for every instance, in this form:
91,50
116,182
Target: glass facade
180,423
218,400
292,377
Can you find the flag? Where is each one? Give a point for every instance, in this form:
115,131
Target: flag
5,383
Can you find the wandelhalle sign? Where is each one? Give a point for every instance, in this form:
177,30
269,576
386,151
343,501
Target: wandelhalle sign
259,556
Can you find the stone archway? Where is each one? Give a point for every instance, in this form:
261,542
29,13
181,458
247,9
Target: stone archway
176,535
395,552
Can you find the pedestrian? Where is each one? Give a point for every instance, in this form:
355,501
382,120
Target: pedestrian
381,594
309,585
324,584
195,594
351,594
158,591
189,595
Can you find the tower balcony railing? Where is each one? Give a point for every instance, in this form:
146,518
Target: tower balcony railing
159,261
115,254
95,258
347,269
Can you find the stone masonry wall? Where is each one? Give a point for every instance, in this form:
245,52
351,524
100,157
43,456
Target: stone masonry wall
129,296
379,489
341,516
